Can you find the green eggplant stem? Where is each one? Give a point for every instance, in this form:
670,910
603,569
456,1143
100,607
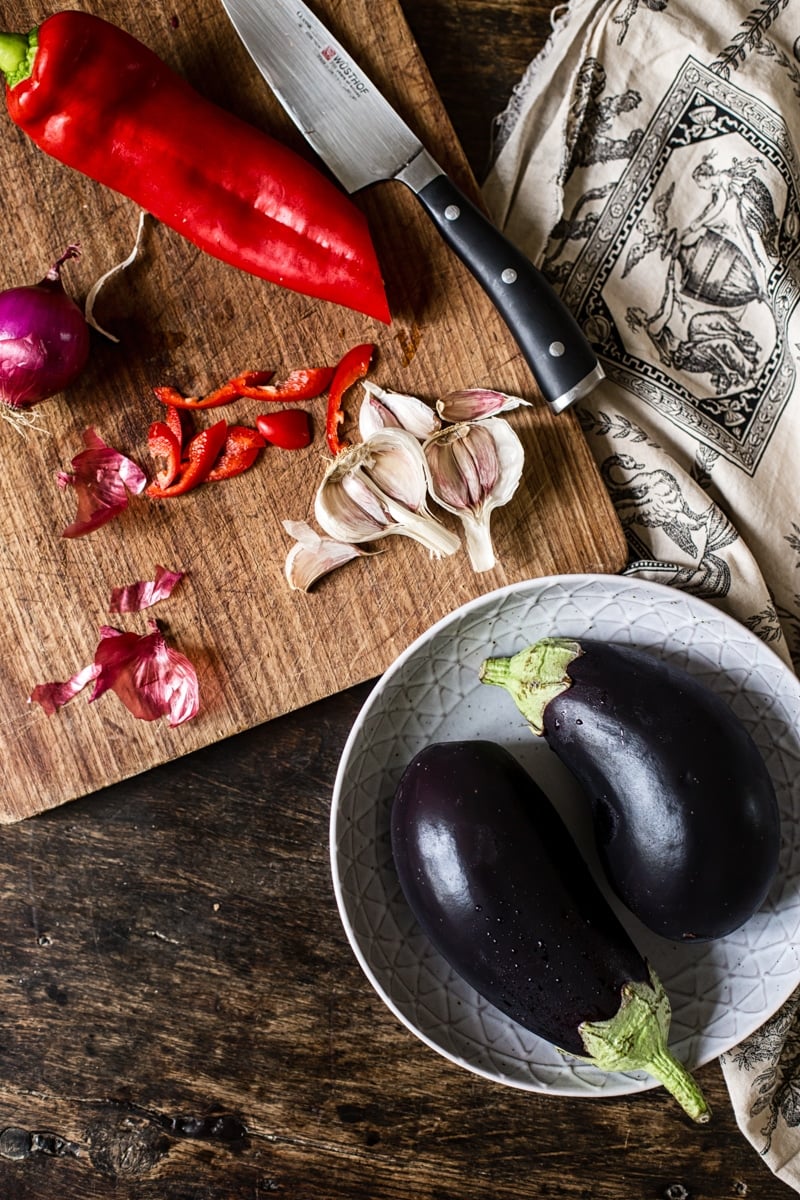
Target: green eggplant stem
635,1039
534,676
17,52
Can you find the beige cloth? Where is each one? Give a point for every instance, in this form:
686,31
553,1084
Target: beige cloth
649,161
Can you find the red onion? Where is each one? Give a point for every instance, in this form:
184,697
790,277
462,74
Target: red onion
44,340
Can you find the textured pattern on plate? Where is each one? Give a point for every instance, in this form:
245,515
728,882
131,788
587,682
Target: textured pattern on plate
720,991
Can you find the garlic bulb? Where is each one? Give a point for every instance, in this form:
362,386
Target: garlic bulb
474,467
473,404
313,556
395,408
377,488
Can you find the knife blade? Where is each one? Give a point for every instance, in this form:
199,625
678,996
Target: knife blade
362,140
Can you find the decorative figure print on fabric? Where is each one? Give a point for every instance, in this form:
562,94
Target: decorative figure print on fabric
630,12
671,226
592,119
654,500
772,1054
692,314
649,160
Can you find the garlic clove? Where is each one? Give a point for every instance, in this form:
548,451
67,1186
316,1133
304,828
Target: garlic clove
345,506
374,416
447,484
475,467
398,469
474,404
313,556
378,488
477,464
409,412
357,489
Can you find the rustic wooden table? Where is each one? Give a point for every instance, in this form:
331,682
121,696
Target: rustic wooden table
182,1018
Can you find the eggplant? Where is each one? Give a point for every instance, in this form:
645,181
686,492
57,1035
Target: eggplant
497,884
684,813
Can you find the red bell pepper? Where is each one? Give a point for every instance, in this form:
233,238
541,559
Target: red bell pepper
351,368
288,428
96,99
242,447
304,384
201,454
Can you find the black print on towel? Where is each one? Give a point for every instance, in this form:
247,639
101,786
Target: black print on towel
690,275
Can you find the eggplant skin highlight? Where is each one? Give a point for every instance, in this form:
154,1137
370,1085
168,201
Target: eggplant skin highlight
685,816
498,886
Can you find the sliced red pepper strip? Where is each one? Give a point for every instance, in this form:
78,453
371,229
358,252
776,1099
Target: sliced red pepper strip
221,395
242,447
202,452
164,447
180,423
251,379
352,367
304,384
288,428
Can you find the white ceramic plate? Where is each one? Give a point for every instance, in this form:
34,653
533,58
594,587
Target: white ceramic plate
720,991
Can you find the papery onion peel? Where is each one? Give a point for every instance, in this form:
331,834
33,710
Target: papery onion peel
102,478
133,597
151,678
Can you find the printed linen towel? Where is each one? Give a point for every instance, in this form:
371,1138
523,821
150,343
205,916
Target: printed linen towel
649,161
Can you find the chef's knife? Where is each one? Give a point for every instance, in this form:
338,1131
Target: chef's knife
362,140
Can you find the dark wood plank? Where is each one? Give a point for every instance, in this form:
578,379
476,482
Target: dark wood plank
477,52
182,1018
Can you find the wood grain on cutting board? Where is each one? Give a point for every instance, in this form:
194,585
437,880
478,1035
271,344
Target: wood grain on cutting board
185,319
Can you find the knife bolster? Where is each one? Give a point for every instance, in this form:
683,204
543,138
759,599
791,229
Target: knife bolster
419,171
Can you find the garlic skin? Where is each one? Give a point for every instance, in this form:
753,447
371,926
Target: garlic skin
313,556
475,467
409,412
377,488
473,404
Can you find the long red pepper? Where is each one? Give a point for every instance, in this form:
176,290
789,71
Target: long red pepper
95,98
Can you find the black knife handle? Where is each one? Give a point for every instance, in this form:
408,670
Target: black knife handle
562,361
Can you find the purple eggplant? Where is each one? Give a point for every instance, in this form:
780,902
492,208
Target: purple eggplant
497,884
685,816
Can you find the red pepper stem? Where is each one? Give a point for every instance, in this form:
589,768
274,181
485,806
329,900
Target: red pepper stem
17,52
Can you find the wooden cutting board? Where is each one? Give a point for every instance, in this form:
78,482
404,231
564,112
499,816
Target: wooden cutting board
185,319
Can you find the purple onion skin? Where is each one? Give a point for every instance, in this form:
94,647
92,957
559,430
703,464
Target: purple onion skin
44,342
